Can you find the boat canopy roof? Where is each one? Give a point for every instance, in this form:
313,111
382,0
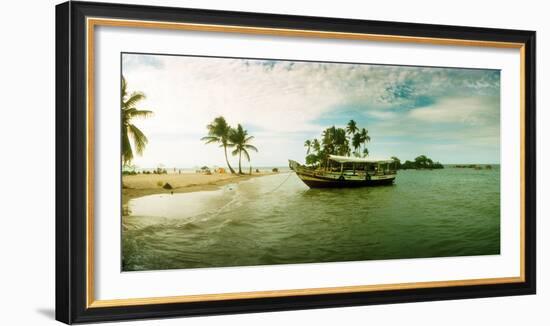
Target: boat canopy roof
348,159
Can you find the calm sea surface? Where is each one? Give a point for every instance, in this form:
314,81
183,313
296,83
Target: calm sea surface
278,220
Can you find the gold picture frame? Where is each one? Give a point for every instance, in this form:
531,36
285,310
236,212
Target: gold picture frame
90,16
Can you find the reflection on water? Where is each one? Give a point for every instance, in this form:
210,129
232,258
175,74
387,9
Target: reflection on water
450,212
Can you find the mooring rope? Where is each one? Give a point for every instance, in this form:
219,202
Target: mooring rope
219,210
279,186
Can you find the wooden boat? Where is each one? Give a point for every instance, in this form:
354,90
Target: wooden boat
345,171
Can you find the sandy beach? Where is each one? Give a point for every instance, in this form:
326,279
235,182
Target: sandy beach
134,186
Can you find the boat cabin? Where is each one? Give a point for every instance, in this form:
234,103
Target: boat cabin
347,165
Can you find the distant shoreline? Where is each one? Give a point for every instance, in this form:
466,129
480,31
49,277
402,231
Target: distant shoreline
135,186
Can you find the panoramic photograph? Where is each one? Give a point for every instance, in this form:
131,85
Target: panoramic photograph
231,162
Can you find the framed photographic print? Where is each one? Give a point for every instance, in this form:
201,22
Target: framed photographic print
215,162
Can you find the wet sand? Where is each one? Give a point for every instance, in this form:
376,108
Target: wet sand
134,186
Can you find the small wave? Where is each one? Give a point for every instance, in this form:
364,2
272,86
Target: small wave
234,222
188,226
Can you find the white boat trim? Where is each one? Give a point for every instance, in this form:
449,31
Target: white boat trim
349,159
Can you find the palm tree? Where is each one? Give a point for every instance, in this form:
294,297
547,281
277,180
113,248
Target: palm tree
218,132
352,127
308,144
341,142
328,143
316,145
356,142
334,141
328,139
241,141
129,130
365,138
396,162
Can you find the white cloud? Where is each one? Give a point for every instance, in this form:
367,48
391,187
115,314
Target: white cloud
471,111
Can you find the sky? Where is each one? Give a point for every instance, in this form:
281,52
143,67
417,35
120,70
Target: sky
452,115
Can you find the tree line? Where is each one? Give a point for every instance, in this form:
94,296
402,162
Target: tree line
420,162
337,141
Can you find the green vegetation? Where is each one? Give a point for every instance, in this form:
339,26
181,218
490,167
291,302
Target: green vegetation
473,166
129,111
353,141
420,162
219,131
160,170
397,162
337,141
129,169
308,144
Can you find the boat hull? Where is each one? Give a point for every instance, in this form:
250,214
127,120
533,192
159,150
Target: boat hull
343,179
320,182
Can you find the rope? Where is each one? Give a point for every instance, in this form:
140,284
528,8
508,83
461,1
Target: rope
279,186
219,210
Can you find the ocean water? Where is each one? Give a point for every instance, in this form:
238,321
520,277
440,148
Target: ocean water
278,220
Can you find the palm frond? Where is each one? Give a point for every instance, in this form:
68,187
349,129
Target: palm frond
210,139
246,155
135,113
123,91
252,147
214,138
218,127
235,152
127,154
123,96
134,98
140,140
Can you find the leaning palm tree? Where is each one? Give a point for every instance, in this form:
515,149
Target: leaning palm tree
129,111
218,132
241,142
352,127
308,145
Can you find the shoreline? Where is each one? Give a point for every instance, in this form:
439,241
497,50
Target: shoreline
135,186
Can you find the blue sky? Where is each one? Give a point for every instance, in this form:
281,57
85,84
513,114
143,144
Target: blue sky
451,115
